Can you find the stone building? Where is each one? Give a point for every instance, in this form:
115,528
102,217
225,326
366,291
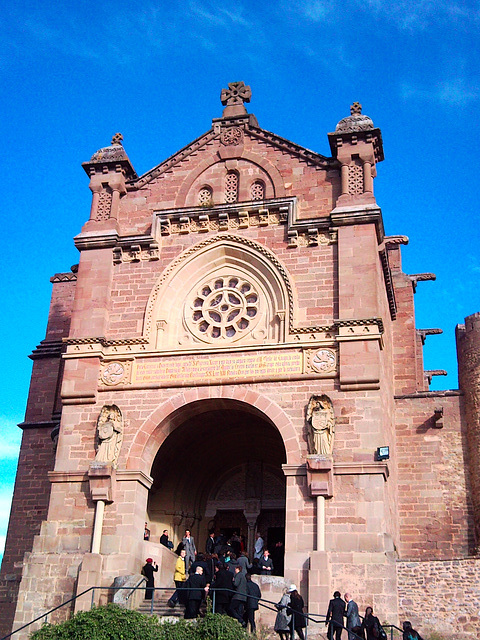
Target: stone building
233,348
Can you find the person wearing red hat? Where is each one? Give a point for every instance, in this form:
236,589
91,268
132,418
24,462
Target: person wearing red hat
148,570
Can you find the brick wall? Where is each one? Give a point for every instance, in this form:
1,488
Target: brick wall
433,507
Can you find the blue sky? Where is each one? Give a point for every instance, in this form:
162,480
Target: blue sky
76,74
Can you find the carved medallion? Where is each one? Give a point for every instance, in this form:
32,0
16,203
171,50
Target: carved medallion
113,373
323,361
231,136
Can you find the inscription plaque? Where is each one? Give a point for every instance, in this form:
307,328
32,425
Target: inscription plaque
198,369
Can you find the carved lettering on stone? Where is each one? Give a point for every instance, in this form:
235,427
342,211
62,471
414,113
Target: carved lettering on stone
321,422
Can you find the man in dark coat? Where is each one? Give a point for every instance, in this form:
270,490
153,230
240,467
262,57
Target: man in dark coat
164,539
201,562
353,619
148,570
253,596
197,586
239,598
335,614
210,544
266,563
222,588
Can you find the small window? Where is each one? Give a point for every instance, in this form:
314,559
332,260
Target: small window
205,197
231,187
257,190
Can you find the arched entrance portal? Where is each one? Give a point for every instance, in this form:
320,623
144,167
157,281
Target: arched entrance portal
220,468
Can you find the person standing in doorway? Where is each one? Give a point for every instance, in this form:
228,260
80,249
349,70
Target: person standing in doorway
148,570
353,619
190,549
258,546
266,563
335,614
210,544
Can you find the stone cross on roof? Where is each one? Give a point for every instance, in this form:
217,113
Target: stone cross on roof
356,108
117,139
234,99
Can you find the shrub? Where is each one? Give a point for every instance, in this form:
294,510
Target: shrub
116,623
103,623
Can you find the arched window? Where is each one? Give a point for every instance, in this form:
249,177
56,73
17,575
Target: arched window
257,190
205,196
231,187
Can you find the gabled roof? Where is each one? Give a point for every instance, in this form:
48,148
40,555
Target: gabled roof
251,128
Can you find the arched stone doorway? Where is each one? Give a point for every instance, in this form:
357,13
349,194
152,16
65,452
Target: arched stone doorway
220,467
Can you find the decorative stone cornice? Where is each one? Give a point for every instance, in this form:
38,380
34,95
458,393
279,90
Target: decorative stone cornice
172,161
48,349
96,240
63,277
359,214
224,217
104,342
310,157
361,468
243,215
387,275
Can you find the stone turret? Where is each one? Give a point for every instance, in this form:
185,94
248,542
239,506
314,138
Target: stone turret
357,145
108,168
468,349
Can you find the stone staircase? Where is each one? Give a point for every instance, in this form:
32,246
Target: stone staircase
160,607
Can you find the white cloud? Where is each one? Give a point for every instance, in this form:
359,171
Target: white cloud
457,92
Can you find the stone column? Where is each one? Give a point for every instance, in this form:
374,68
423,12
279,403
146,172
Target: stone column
320,486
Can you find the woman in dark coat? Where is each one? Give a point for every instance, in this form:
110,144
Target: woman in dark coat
371,625
148,571
222,587
296,607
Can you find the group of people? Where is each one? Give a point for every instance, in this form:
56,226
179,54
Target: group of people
224,572
220,574
290,617
344,613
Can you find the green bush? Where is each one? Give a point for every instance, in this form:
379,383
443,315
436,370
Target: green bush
103,623
115,623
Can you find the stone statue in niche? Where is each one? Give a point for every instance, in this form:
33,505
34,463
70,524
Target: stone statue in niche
110,435
321,423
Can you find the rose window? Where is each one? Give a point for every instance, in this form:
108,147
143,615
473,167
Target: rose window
224,308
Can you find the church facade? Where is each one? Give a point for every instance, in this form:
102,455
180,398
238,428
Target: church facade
236,350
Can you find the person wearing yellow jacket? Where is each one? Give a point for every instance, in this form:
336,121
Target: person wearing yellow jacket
180,578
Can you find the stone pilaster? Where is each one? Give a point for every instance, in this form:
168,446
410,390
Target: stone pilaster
468,349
